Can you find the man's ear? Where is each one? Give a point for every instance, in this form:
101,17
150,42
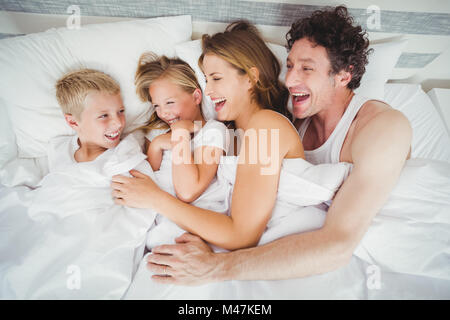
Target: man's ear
71,121
198,96
344,77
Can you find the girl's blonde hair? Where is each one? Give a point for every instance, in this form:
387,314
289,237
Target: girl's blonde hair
73,87
151,68
242,46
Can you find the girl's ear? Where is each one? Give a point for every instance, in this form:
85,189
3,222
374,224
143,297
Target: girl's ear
71,121
198,96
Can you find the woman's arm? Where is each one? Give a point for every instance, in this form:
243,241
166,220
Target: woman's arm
252,202
379,151
254,192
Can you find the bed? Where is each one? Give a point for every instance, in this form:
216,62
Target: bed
31,64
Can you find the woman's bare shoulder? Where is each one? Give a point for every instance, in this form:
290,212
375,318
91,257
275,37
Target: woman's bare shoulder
270,119
288,135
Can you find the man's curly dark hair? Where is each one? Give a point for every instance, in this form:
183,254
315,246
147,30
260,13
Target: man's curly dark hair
346,44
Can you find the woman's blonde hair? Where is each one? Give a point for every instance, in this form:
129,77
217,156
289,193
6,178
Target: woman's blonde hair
242,46
151,68
73,87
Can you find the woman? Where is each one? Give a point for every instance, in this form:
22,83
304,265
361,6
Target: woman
242,81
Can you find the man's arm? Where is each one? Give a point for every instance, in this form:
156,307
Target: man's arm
379,151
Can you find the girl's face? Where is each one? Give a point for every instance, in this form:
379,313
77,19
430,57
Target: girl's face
172,103
229,90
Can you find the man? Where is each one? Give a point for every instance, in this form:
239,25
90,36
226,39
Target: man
326,61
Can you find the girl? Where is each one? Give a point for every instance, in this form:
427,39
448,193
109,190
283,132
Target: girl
172,87
242,80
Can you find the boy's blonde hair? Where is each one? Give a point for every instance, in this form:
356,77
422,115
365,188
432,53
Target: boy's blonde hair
151,68
73,87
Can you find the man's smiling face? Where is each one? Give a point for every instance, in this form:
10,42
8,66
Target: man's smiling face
309,78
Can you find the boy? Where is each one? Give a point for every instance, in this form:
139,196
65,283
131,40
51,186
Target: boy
93,107
76,236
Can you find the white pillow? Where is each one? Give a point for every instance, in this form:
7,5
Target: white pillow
381,64
32,64
190,52
430,139
8,147
441,100
30,68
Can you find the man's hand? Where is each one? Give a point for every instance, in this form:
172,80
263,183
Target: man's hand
189,262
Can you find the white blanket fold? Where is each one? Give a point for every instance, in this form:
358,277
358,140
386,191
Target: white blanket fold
408,239
411,233
77,244
301,186
68,240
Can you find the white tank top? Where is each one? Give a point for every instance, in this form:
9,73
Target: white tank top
330,151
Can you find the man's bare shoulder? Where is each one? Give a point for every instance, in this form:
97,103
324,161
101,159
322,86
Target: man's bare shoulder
381,130
375,113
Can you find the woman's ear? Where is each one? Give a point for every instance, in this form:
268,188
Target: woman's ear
198,96
254,75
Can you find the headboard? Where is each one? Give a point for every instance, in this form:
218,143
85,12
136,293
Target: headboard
426,24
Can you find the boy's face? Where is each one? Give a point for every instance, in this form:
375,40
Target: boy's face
102,121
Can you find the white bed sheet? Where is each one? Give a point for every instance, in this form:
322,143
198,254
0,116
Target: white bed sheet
404,254
350,282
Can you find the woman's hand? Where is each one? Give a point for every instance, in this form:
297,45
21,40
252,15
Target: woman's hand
137,192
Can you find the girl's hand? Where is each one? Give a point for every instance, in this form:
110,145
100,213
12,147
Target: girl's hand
182,130
162,142
188,125
137,192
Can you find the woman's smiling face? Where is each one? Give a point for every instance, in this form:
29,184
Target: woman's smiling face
228,89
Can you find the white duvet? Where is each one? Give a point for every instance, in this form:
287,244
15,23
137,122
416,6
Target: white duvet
67,240
404,254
